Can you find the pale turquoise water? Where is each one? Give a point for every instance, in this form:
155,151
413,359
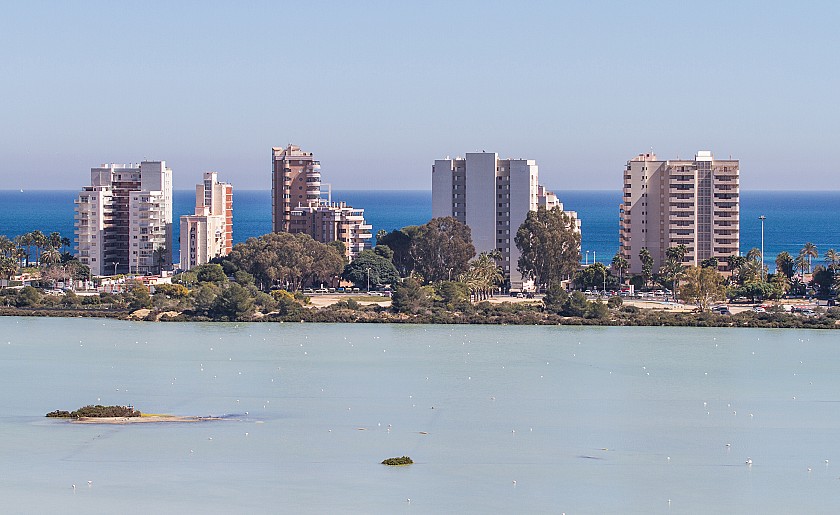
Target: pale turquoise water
583,419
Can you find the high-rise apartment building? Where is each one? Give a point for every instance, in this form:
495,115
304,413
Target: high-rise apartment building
492,197
680,202
298,206
326,221
123,220
208,233
295,182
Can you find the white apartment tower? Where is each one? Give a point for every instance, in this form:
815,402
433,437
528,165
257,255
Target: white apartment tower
208,233
691,202
123,220
492,197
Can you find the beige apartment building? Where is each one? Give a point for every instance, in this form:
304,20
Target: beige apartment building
492,197
208,233
123,219
691,202
327,221
298,206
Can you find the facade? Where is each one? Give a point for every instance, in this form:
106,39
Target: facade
123,220
680,202
295,181
492,197
209,232
298,206
326,221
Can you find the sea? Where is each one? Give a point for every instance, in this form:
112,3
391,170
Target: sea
497,419
793,218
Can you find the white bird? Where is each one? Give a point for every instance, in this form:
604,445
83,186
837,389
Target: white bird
749,461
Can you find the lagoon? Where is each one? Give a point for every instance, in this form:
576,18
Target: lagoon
516,419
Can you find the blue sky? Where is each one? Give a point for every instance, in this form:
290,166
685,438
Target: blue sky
378,90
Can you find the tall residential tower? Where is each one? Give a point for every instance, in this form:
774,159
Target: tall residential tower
297,204
123,220
208,233
492,197
680,202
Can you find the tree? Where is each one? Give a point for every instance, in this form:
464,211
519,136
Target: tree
286,259
802,263
204,297
621,265
576,305
384,251
809,250
453,293
555,298
39,241
549,245
483,275
160,257
28,296
209,273
340,247
711,262
409,297
592,276
785,264
399,241
234,303
382,269
442,249
832,258
50,256
647,264
823,280
735,264
673,267
54,240
702,286
8,267
137,296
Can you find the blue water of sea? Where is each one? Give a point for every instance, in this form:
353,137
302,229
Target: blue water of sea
793,218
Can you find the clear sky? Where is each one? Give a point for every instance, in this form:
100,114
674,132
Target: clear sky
378,90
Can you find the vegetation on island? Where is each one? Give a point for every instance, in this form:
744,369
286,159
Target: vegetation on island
403,460
97,411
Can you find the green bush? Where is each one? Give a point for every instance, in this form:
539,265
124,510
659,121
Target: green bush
404,460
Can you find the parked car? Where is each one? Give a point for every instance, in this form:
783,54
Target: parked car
759,309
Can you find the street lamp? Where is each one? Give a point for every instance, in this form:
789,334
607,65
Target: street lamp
115,267
587,258
368,279
762,218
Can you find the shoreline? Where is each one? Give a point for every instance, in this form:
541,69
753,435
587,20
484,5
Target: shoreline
145,419
507,315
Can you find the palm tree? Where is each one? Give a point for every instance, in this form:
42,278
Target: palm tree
8,266
160,257
54,240
39,241
802,263
810,250
620,264
50,256
483,274
6,245
832,258
65,242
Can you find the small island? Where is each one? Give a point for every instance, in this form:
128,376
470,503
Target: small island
404,460
118,415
